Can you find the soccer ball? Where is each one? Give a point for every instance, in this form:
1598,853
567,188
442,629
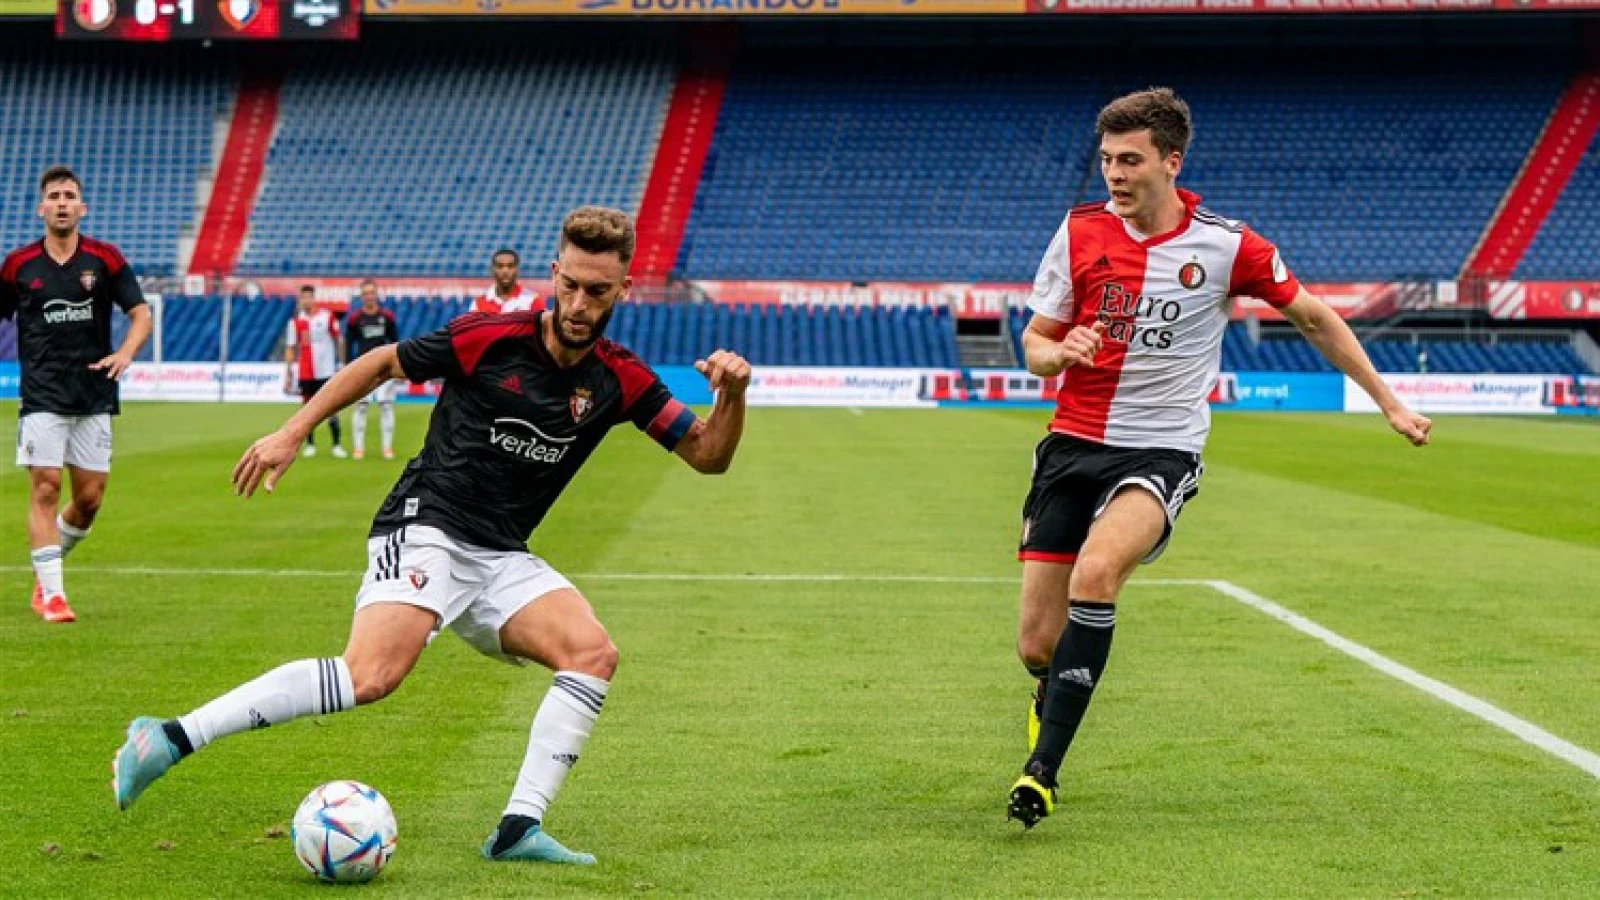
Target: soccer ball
344,831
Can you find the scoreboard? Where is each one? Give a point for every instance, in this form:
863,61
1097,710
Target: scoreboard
184,20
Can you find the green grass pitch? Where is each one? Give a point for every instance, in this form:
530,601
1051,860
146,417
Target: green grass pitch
854,736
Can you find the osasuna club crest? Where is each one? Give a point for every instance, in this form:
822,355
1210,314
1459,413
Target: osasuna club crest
1192,275
87,279
580,403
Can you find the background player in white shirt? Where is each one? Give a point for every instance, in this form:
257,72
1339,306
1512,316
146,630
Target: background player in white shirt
508,295
313,351
1131,302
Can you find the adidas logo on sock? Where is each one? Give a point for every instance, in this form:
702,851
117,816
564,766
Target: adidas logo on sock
257,720
567,759
1078,676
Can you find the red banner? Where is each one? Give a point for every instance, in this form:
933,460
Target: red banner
1543,299
982,300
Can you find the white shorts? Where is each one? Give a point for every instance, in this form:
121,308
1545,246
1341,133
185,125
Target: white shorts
47,441
472,590
383,393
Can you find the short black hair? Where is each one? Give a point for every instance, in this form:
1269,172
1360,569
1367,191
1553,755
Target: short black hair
506,251
365,282
59,173
308,288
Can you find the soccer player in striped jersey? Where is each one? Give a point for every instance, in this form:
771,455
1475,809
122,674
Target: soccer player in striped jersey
1130,304
312,352
527,398
509,294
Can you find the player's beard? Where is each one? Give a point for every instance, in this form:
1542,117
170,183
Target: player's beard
596,331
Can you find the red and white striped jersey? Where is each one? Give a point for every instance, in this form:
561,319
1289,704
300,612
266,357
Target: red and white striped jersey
1164,300
525,299
316,337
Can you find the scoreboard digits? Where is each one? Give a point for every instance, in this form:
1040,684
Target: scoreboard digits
181,20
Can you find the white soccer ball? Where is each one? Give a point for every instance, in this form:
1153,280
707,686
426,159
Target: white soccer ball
344,831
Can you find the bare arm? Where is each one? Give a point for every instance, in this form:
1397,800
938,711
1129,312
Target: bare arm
138,332
1050,348
1332,337
709,446
269,458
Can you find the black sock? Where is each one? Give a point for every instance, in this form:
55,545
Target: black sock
311,437
512,829
333,426
1079,660
178,737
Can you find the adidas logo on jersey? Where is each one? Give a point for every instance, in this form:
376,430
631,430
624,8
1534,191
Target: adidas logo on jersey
1078,676
36,285
1102,263
512,383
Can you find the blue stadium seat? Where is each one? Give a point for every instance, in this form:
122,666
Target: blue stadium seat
139,134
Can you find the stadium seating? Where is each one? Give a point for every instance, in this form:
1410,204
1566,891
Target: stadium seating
1566,247
139,133
425,168
883,165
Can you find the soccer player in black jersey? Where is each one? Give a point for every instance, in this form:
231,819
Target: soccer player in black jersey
370,327
61,290
527,397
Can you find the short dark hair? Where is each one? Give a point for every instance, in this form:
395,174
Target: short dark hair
1159,109
59,173
506,251
365,282
308,288
598,229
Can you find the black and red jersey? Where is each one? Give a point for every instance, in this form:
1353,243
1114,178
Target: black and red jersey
512,427
63,313
366,331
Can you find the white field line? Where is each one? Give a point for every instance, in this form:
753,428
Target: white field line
1520,728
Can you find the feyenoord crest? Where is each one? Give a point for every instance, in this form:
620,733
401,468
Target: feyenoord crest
1192,275
419,579
580,403
239,13
94,15
87,279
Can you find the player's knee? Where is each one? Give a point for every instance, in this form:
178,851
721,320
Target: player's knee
87,502
47,490
1096,577
597,657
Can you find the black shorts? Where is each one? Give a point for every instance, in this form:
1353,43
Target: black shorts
310,386
1074,480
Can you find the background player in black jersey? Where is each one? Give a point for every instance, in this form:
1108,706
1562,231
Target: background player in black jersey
61,290
527,397
371,326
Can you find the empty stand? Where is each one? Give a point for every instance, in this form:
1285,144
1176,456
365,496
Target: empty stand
425,168
136,123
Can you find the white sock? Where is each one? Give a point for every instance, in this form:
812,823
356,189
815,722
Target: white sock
305,687
358,424
560,729
47,568
386,422
71,536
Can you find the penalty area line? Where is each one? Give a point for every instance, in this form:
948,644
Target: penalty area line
1520,728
